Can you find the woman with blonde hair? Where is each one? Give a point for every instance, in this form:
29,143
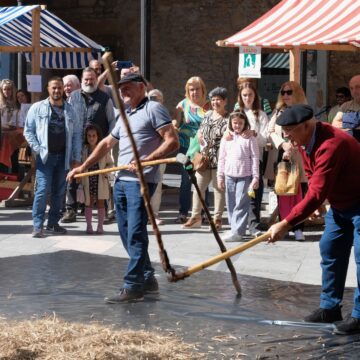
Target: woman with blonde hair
291,93
8,105
9,118
189,113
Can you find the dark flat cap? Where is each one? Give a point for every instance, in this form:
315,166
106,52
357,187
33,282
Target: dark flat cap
294,115
132,77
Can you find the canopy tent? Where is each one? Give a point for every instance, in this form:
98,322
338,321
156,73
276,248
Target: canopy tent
33,28
298,25
47,42
276,61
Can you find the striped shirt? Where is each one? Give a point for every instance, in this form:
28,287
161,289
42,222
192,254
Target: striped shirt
238,157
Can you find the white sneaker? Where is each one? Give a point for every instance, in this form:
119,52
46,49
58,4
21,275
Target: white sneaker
299,236
232,237
227,235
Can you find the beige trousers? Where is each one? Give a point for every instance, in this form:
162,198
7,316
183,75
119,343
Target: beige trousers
156,198
203,179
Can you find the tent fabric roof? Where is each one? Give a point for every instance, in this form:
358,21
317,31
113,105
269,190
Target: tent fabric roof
16,30
276,61
303,22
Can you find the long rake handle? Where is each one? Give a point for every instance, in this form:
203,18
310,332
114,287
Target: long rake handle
124,167
225,255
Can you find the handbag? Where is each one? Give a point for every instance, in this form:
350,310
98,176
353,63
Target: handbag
287,178
200,161
80,195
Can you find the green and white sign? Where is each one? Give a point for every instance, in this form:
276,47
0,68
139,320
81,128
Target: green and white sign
250,61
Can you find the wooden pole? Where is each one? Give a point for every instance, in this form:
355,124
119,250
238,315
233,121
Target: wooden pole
35,58
223,256
295,64
123,167
222,247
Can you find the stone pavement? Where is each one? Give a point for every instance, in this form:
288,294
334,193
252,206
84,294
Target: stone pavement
287,260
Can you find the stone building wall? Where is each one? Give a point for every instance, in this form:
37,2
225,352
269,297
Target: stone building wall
342,66
183,36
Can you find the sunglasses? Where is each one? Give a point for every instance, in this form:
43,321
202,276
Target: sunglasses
287,92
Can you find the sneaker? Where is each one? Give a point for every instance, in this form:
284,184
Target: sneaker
69,216
192,223
235,238
151,286
324,315
230,237
348,326
255,233
125,296
111,218
181,219
37,233
55,230
226,235
299,235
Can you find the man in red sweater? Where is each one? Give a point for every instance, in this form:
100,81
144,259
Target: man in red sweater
331,162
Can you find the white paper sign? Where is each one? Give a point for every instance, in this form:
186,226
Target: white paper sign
250,61
34,83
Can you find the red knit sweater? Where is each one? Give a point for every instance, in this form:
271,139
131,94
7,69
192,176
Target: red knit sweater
333,170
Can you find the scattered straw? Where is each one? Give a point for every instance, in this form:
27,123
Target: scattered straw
52,338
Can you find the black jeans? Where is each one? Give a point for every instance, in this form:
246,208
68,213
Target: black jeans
71,188
255,203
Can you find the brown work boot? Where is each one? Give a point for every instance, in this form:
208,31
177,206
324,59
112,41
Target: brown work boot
192,223
69,216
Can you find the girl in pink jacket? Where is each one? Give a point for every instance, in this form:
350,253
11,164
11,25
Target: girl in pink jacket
238,173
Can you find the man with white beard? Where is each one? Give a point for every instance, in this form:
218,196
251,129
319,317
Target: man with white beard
93,106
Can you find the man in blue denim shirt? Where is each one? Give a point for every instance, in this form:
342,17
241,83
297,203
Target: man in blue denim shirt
155,138
52,131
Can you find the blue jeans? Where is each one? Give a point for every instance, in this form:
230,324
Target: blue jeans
342,230
185,196
50,179
132,220
237,203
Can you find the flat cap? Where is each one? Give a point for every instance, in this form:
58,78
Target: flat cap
132,77
294,115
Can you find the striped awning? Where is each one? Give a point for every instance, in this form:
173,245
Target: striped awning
303,23
276,61
16,31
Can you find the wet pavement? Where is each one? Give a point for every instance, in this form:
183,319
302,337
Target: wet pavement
70,275
262,324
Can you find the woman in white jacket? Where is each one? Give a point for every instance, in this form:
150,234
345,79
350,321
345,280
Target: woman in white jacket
291,93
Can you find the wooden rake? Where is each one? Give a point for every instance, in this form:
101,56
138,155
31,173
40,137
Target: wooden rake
164,259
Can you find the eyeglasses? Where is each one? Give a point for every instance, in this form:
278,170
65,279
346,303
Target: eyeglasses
287,92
